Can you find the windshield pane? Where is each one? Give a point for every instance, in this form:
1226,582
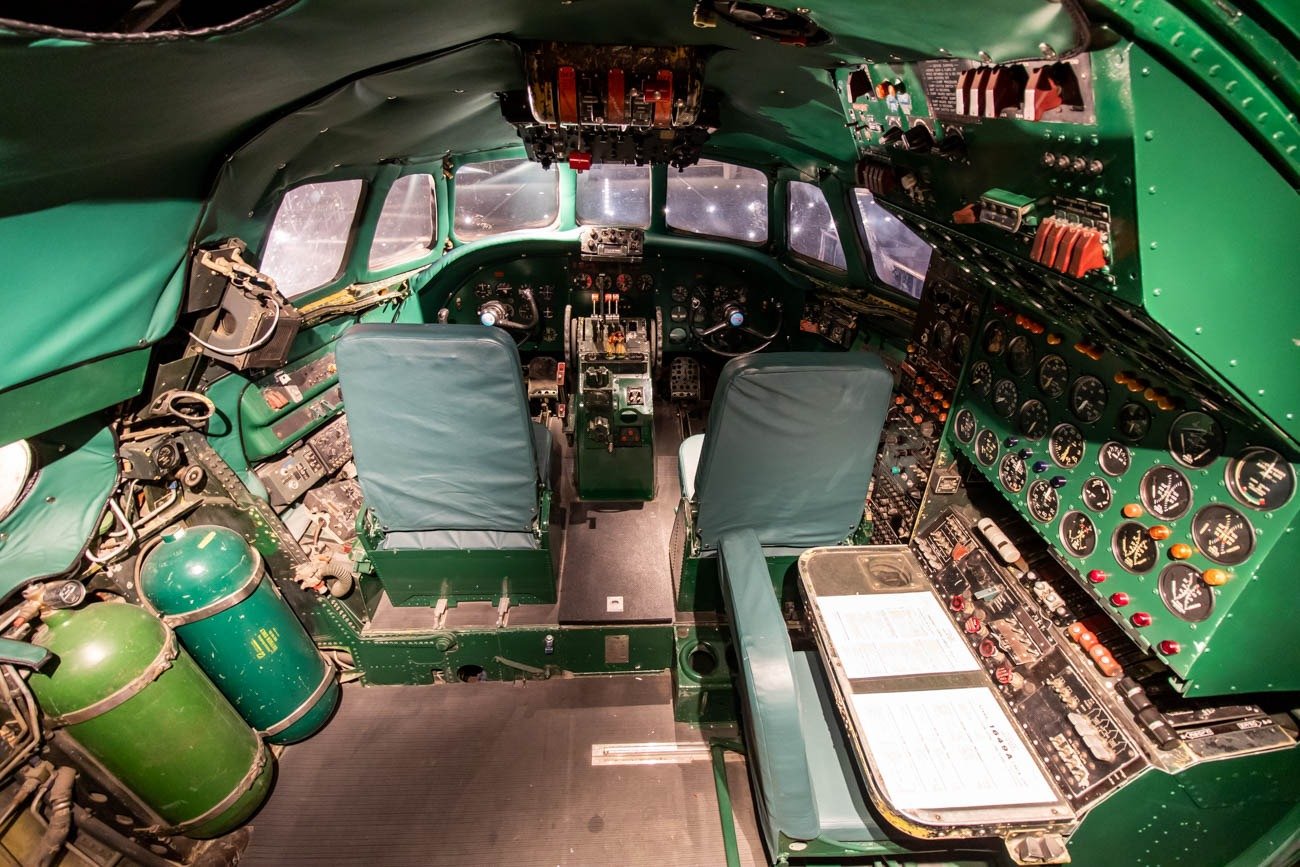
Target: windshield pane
900,257
614,195
309,237
405,227
503,196
712,198
812,229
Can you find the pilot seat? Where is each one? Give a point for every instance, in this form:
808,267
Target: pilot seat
455,476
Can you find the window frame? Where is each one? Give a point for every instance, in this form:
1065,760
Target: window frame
669,229
799,255
454,188
390,264
860,228
349,242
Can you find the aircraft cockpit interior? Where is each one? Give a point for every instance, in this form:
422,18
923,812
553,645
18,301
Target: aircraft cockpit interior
691,432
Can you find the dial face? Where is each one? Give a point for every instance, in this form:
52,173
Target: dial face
1033,419
981,378
1088,398
1042,500
1114,459
1195,440
603,282
986,447
1223,534
624,282
964,425
1066,446
678,313
1260,478
1134,421
545,292
680,293
483,291
1165,492
1053,375
645,283
1020,355
1078,534
582,281
1011,472
1133,547
995,338
940,335
1184,593
1097,494
17,467
1005,398
960,347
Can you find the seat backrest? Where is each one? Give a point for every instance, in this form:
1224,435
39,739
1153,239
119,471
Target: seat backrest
790,444
440,428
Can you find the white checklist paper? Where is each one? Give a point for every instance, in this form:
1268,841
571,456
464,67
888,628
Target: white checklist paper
893,634
948,749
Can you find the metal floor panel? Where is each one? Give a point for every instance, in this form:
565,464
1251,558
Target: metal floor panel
498,774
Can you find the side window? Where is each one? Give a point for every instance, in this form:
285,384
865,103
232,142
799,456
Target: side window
503,196
309,236
614,195
405,229
811,227
900,257
719,199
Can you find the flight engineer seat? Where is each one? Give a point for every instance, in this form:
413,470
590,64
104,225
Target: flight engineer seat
455,476
785,466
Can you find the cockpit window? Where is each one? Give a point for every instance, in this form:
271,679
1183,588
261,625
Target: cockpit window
811,226
712,198
614,195
406,225
504,195
309,236
900,257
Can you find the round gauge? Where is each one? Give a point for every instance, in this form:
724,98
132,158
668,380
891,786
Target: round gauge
545,292
677,335
1114,459
645,283
986,447
624,283
960,347
1260,478
1042,500
1165,492
981,378
964,425
1223,534
483,291
995,338
1134,421
17,469
1020,355
603,282
940,335
1097,494
680,294
1078,534
678,314
1033,419
1088,398
1133,547
1195,440
1184,593
550,335
1053,375
1066,446
1005,398
582,282
1011,472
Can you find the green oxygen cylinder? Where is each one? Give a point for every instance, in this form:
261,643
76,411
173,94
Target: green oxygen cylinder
208,584
142,713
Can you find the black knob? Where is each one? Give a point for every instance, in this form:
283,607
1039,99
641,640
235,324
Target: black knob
1011,442
891,135
1025,454
918,138
1057,481
1040,466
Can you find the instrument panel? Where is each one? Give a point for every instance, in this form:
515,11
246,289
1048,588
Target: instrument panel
1165,502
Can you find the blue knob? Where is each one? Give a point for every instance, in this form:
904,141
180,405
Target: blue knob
488,318
736,318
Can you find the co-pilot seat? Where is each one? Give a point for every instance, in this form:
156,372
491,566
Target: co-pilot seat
454,474
785,466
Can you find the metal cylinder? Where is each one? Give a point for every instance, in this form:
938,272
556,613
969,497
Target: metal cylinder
208,584
142,714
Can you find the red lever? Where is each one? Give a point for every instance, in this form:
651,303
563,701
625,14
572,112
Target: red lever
1042,94
567,101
